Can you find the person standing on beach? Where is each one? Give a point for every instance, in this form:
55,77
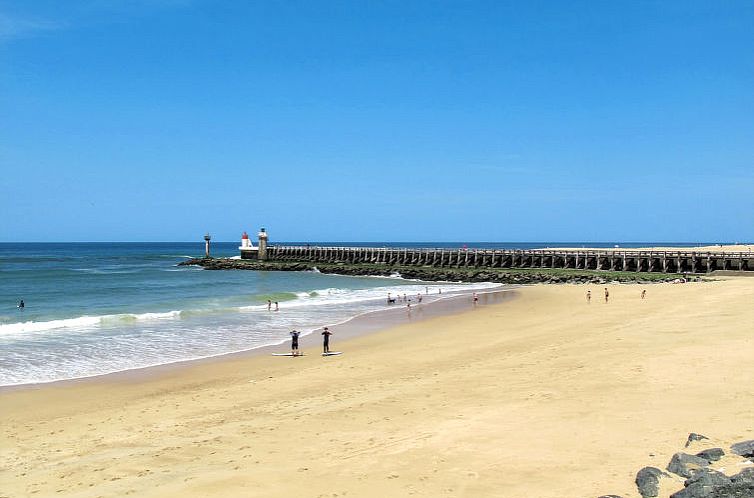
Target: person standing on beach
588,296
426,290
294,342
643,293
607,295
475,299
269,305
326,340
419,297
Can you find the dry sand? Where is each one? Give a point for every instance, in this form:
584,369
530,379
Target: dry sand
542,396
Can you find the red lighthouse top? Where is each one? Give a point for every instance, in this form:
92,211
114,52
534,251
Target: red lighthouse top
245,236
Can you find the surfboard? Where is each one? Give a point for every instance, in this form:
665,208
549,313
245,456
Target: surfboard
287,354
332,353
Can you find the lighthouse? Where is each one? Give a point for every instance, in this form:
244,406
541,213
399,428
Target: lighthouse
245,242
207,238
262,244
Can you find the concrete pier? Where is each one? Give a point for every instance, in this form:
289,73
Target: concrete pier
681,261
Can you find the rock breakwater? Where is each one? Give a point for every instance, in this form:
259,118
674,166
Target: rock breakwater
433,274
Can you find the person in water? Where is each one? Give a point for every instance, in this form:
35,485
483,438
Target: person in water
269,305
326,340
294,342
21,304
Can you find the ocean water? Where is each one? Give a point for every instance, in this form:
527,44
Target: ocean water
95,308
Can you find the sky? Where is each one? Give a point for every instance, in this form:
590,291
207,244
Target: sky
377,120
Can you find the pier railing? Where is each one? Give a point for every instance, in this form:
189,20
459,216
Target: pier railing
680,261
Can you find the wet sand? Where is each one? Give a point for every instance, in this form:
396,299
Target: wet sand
542,395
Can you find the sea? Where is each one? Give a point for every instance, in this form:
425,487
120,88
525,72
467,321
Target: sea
97,308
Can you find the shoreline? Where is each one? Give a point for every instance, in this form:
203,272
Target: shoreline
543,395
368,322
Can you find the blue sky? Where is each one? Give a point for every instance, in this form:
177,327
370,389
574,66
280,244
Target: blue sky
431,121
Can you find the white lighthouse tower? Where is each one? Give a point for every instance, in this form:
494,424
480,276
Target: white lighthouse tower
248,251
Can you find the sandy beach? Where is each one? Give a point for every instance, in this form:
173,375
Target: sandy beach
543,395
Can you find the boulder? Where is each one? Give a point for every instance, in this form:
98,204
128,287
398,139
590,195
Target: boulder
648,481
707,483
704,484
712,454
686,465
744,448
694,437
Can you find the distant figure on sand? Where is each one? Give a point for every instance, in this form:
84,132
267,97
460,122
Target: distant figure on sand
607,295
294,342
21,304
326,340
390,300
475,299
277,308
589,296
269,305
419,297
644,293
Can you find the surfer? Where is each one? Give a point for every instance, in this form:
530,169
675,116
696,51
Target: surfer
294,342
326,340
21,304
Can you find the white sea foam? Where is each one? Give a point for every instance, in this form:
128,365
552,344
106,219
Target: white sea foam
81,322
94,345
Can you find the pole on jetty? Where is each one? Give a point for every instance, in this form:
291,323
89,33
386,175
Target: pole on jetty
207,238
262,254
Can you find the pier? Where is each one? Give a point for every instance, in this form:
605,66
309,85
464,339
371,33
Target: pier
681,261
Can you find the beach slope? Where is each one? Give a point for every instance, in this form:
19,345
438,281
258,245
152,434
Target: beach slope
544,395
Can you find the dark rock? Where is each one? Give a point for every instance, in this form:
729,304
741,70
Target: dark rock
707,483
694,437
703,484
712,454
744,448
707,477
648,481
746,474
686,465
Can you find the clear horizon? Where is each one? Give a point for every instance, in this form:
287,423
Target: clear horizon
339,121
